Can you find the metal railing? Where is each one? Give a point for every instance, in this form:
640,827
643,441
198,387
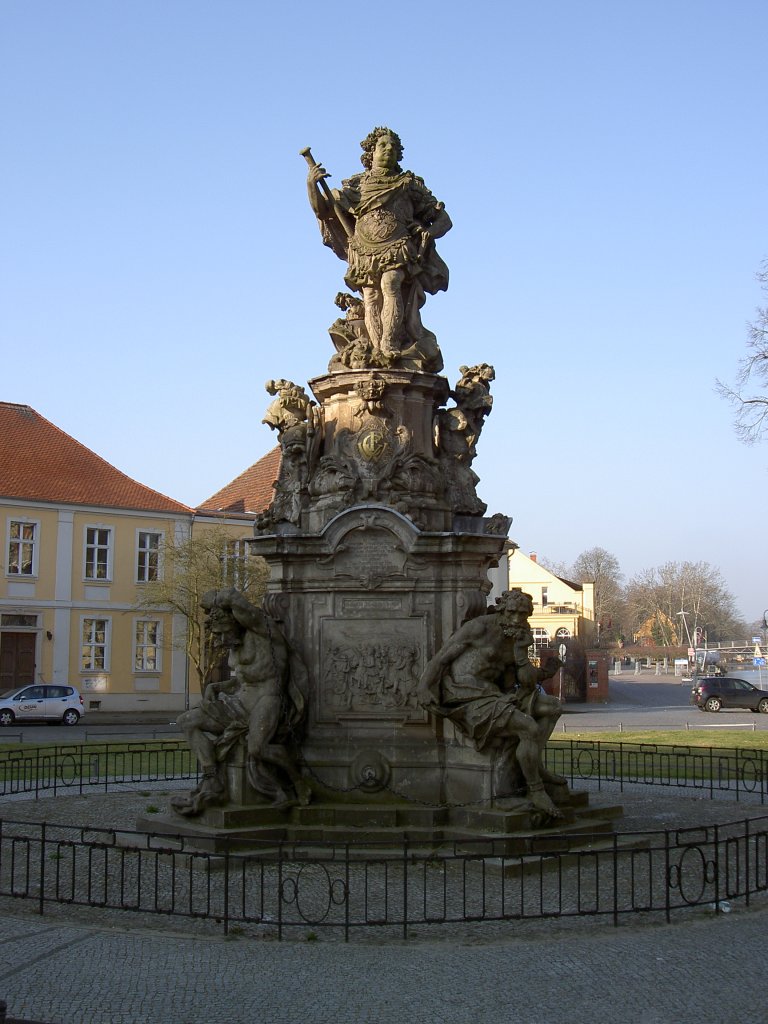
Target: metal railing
284,887
738,774
714,772
281,889
87,767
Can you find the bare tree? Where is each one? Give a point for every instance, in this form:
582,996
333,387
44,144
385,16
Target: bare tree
696,589
598,566
209,559
749,395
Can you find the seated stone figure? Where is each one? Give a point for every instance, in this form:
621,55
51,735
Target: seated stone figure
262,703
483,681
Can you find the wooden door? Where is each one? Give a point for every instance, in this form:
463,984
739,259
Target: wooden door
17,660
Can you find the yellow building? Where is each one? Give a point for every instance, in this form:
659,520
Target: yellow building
561,609
81,542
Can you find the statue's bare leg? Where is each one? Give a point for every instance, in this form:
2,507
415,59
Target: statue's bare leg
371,304
547,710
192,724
265,717
528,757
276,753
392,310
211,789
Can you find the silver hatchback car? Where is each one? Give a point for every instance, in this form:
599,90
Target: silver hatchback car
41,703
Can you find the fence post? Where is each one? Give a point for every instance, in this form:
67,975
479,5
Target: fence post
41,907
226,887
667,878
346,892
615,882
747,855
711,774
280,891
405,888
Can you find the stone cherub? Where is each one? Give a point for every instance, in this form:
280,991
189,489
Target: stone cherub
482,680
293,415
384,223
263,703
456,434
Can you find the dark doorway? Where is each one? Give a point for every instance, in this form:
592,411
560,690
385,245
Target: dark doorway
17,660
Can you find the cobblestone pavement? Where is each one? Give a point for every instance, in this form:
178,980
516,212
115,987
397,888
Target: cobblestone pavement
85,971
647,974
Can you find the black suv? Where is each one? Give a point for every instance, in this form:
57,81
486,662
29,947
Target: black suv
714,692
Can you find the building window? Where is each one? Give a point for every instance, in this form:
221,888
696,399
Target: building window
94,652
18,621
147,646
148,557
544,597
236,563
540,639
22,548
98,542
563,634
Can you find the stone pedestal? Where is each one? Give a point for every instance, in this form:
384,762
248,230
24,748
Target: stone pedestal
366,601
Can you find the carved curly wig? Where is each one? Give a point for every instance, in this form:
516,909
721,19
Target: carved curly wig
369,142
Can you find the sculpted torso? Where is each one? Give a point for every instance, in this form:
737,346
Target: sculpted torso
488,654
258,666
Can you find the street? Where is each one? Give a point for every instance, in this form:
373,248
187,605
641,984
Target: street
653,702
638,702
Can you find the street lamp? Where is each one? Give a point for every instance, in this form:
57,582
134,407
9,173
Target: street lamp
691,643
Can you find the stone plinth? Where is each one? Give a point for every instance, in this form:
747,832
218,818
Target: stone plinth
366,602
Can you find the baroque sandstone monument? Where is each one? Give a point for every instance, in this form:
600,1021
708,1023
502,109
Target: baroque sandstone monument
376,689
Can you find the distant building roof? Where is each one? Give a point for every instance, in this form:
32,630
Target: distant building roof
39,462
251,492
569,583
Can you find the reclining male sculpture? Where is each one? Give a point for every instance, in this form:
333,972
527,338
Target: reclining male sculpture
483,681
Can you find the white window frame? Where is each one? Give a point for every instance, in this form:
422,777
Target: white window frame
96,547
234,559
541,639
22,521
563,633
142,574
91,643
141,644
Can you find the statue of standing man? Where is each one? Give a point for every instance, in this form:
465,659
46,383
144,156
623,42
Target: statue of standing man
384,223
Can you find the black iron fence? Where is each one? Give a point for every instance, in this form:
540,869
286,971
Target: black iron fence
88,767
734,773
296,889
288,887
738,774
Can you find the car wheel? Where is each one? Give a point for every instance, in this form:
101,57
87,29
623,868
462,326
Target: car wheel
762,707
713,704
6,717
71,717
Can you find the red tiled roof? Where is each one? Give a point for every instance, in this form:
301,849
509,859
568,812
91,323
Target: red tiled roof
39,462
252,491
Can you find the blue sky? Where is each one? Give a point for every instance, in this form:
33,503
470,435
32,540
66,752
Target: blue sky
604,165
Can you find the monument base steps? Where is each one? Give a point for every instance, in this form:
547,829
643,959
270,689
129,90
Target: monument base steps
361,827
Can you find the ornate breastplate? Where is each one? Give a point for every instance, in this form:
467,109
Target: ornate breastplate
379,225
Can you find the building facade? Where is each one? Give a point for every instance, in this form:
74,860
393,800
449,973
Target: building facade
562,610
82,542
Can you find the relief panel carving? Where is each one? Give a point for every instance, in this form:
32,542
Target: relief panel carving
371,667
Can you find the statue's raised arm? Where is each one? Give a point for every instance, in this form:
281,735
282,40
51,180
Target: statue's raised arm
384,223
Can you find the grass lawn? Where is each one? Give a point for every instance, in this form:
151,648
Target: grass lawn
741,738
